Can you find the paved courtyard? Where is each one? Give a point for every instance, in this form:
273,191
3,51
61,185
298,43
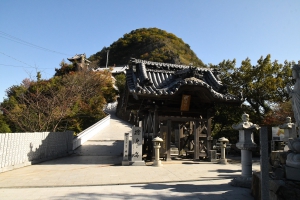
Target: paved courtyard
94,172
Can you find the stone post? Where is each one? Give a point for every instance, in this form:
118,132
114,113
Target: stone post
246,144
223,142
264,164
125,161
157,161
137,146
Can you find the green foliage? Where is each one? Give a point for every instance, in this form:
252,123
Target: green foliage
225,117
263,88
150,44
73,101
64,69
261,85
4,127
38,76
120,82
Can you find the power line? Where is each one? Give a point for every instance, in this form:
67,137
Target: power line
20,41
23,66
16,59
13,65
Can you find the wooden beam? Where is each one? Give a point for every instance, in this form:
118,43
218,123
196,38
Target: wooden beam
178,118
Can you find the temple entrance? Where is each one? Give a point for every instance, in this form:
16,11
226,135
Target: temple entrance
184,139
175,103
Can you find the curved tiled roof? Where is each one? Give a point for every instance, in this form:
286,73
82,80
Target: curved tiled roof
146,78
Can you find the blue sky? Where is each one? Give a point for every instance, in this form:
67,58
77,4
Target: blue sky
215,30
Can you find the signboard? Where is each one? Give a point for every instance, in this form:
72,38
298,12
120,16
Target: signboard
137,142
163,135
185,102
277,133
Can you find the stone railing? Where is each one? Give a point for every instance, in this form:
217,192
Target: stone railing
22,149
90,132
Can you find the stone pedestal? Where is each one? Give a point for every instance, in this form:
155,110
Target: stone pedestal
212,155
292,167
246,144
157,161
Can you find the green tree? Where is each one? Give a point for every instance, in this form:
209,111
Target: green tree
262,87
4,127
120,82
64,69
73,101
263,84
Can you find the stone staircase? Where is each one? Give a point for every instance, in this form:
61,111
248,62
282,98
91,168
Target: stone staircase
106,147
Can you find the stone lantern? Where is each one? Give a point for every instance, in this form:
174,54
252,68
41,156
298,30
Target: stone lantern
157,141
289,131
223,141
246,144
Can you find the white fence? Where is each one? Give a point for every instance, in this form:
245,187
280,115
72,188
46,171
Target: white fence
22,149
90,132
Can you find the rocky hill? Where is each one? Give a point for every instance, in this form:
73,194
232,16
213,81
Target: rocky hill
150,44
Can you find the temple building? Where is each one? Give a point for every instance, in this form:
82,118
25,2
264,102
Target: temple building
80,61
176,103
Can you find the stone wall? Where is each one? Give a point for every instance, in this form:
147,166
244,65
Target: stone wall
22,149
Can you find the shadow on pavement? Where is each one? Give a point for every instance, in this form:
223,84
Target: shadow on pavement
94,152
172,191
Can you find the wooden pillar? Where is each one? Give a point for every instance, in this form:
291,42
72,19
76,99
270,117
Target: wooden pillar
209,138
169,139
210,114
191,132
145,131
180,136
196,140
155,123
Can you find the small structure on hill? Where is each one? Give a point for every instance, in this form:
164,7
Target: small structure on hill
176,103
80,61
114,70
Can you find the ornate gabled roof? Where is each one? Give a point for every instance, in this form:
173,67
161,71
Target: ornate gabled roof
146,79
79,57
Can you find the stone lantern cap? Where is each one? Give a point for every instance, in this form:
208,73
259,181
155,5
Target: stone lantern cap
223,139
288,124
157,139
245,124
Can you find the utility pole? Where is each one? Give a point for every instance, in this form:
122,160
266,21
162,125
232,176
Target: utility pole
107,52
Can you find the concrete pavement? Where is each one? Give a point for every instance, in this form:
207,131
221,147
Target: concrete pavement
94,172
202,190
